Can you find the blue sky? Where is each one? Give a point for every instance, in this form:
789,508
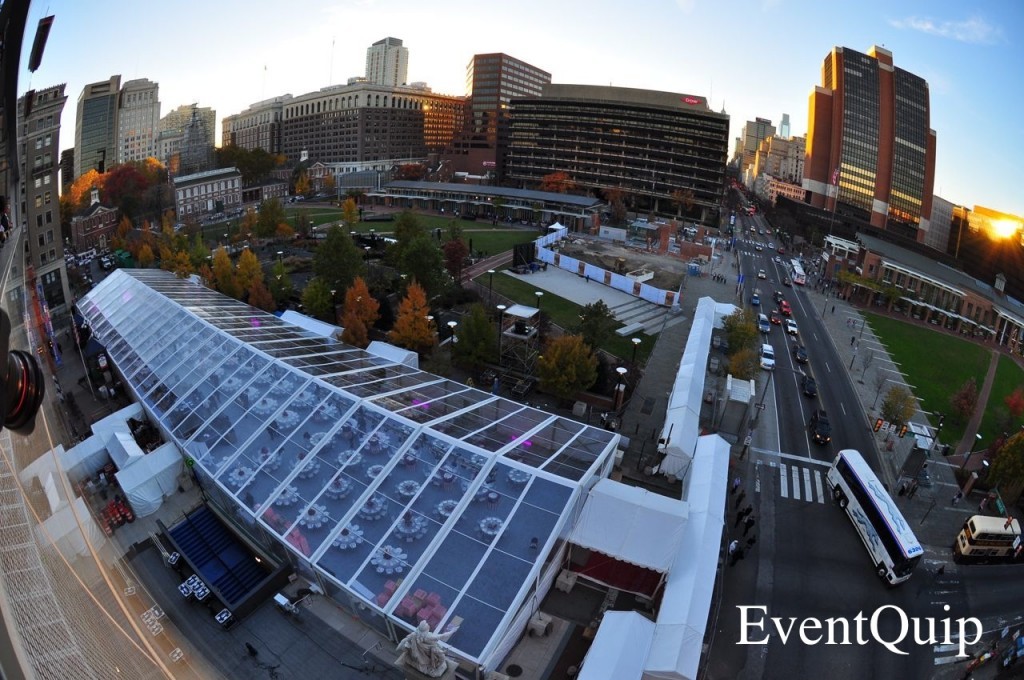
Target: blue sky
755,59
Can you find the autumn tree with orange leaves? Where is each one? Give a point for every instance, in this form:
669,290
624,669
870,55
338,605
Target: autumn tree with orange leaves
412,329
559,182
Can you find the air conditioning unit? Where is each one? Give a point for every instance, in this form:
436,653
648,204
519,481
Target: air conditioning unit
540,624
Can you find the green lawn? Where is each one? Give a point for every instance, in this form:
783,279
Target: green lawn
1009,376
937,365
565,313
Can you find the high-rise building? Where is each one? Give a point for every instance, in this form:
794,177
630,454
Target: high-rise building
67,169
666,151
941,224
784,126
197,144
39,138
137,120
258,127
492,80
171,133
868,134
753,132
781,158
387,62
96,126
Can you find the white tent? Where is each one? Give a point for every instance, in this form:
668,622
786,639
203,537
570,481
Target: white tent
682,418
310,324
631,524
619,648
392,353
150,479
686,603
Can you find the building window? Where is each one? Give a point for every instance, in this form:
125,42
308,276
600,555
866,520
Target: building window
49,217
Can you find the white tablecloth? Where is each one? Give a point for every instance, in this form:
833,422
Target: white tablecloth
389,560
314,516
349,537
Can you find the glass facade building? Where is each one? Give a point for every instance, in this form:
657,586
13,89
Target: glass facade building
96,126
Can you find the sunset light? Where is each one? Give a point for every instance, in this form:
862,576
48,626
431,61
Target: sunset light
1005,228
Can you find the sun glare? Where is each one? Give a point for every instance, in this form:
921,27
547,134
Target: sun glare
1004,228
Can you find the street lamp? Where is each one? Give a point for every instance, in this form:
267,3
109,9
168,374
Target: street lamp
967,456
539,295
451,348
490,286
501,328
620,387
636,345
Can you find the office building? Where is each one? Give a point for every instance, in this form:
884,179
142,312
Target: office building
784,126
197,144
753,132
387,63
870,150
492,81
781,158
651,146
96,126
986,243
137,120
258,127
39,137
67,169
941,224
364,126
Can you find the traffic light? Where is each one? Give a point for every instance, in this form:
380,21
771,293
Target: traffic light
878,425
903,431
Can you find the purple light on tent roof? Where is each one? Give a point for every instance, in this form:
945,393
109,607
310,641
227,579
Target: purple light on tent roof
255,322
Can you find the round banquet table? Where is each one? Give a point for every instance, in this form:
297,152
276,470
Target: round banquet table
374,508
407,489
518,477
287,419
314,516
349,458
411,528
338,488
446,507
490,526
389,560
349,537
310,470
240,475
265,406
270,460
287,496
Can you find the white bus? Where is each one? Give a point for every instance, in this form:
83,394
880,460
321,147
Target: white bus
887,536
796,273
988,539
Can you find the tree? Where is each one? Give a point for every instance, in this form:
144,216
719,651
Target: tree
198,252
567,367
899,405
411,171
617,206
478,340
744,363
683,198
338,260
260,297
349,212
224,274
557,181
596,323
317,300
284,231
330,185
145,257
303,224
181,264
455,253
407,228
280,283
964,401
123,187
1015,403
412,329
271,214
354,332
1008,468
361,303
248,270
422,261
740,329
302,184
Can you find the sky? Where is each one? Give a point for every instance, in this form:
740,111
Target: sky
750,58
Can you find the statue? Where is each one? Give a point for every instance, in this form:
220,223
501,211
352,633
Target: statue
422,650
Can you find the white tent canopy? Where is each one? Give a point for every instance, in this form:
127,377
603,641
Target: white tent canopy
397,354
619,648
308,323
682,418
147,481
631,524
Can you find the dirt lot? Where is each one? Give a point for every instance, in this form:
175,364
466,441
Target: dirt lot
668,270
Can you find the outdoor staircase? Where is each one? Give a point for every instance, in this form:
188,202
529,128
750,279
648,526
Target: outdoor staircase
642,316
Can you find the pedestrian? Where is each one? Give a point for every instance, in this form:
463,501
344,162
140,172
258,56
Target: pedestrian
733,546
748,524
983,504
751,541
853,339
833,309
588,278
252,650
735,485
739,499
736,556
739,518
957,497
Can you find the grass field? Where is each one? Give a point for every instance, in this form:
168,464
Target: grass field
566,314
1009,376
936,364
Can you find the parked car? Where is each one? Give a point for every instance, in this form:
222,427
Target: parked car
800,354
791,328
808,385
821,429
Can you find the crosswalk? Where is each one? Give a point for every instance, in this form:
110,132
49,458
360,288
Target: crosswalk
798,481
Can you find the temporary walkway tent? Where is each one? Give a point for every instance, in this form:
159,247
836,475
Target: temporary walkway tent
619,649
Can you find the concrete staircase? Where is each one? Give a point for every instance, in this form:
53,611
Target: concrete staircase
641,316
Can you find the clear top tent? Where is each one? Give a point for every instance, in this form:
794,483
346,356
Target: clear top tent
389,480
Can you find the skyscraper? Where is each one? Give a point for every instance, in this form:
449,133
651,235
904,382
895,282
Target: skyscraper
387,62
784,126
137,120
869,135
96,126
39,137
492,80
753,132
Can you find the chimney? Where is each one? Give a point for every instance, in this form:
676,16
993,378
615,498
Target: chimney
94,197
1001,283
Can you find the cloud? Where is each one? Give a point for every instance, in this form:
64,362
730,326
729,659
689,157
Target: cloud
973,30
686,5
